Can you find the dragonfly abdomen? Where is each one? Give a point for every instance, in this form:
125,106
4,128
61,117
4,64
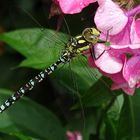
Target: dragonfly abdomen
33,82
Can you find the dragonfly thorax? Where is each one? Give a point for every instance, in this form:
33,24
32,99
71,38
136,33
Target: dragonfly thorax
77,45
81,43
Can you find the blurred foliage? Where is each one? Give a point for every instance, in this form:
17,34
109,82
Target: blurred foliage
75,97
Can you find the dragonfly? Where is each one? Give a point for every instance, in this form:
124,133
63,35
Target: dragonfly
76,46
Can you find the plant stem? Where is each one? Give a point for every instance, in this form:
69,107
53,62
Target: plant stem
104,111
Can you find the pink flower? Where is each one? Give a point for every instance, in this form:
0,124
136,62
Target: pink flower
121,60
74,135
109,16
73,6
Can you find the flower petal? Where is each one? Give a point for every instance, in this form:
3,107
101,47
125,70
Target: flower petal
127,90
120,83
74,135
137,25
73,6
108,63
99,50
91,61
109,17
123,37
135,33
131,71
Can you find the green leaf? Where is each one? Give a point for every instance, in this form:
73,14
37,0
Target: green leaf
5,136
22,137
84,124
79,77
88,74
129,126
112,117
15,136
31,119
99,94
110,129
40,47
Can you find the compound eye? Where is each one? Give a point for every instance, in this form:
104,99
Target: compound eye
91,35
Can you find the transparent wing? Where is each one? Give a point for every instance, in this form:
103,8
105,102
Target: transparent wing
22,16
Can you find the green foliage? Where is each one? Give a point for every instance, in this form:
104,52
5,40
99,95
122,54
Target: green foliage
75,97
36,46
94,90
40,52
129,118
30,118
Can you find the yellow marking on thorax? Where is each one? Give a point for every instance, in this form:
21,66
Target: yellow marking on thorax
83,48
79,36
81,41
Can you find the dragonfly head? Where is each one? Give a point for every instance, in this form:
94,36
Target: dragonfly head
91,35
